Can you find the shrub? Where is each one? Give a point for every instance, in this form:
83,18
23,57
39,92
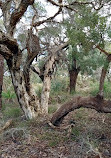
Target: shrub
59,84
8,95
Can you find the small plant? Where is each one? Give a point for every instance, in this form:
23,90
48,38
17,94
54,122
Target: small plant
75,133
9,95
59,84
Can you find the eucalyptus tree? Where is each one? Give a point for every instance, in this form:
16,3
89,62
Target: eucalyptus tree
87,32
13,50
13,13
85,29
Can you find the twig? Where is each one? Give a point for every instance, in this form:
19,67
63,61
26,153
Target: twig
7,124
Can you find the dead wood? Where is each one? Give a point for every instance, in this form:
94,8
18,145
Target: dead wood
7,124
97,103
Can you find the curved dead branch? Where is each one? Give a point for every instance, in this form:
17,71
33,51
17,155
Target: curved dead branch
97,103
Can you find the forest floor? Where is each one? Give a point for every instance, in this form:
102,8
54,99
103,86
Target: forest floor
89,138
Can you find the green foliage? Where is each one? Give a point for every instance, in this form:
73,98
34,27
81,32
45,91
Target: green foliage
8,94
85,29
87,62
59,84
107,89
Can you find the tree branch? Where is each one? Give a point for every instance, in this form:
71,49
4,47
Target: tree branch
74,3
17,14
9,42
50,64
5,52
102,50
36,70
60,47
100,105
47,20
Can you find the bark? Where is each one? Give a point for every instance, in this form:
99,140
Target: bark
73,74
46,74
20,73
103,75
101,84
1,77
28,102
97,103
45,94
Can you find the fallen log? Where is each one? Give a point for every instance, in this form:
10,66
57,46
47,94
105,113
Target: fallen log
97,103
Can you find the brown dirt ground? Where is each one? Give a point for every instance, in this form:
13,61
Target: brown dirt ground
89,138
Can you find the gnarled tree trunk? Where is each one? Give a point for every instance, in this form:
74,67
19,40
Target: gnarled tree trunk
1,77
28,101
46,74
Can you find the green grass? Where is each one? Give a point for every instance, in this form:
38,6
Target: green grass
12,112
107,89
52,109
8,95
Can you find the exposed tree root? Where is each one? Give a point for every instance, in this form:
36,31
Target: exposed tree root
68,127
97,103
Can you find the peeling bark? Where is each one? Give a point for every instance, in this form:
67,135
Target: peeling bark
1,77
100,105
45,94
28,102
46,74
